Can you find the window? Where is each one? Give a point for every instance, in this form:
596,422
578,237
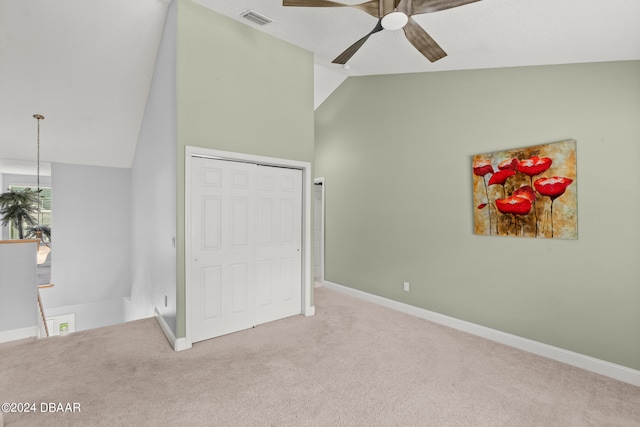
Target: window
45,211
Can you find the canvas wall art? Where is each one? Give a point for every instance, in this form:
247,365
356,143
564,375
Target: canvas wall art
527,192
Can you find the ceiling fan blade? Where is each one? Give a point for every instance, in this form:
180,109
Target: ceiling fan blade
351,50
426,6
312,3
387,6
372,7
423,41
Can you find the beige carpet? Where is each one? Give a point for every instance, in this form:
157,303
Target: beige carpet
353,364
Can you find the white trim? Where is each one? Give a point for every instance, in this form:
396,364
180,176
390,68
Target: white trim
307,241
307,238
18,334
177,344
181,344
320,180
602,367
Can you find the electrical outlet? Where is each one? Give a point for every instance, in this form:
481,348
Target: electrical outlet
406,286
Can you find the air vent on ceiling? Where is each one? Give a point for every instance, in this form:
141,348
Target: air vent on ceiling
254,16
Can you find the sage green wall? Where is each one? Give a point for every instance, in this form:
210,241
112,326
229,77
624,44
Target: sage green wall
396,151
238,90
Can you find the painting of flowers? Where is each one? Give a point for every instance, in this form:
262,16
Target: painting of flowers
527,192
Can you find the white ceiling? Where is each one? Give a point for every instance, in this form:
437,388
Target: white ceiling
86,65
484,34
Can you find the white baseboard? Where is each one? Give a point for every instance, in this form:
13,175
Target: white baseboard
602,367
182,344
18,334
178,344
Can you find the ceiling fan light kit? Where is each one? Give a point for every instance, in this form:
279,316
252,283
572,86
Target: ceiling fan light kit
392,15
394,21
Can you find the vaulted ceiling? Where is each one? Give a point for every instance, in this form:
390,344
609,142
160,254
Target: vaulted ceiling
482,34
87,65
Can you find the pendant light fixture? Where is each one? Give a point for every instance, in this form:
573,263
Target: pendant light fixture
43,248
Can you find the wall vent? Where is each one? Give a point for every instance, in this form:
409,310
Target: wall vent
254,16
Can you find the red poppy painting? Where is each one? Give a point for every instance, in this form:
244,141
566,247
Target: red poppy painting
527,192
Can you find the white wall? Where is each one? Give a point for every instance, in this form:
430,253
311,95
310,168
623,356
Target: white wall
18,291
325,81
91,256
153,180
92,314
121,263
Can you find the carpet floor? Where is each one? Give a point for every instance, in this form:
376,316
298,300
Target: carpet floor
352,364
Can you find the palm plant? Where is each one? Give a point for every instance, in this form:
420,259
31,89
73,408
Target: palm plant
39,231
19,208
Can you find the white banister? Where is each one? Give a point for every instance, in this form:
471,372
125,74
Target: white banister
43,328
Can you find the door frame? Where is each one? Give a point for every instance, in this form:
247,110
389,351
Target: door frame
306,308
320,181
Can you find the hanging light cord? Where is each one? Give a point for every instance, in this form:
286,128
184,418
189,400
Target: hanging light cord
38,117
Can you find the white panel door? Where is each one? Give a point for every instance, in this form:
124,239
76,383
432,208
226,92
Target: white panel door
245,246
222,283
279,258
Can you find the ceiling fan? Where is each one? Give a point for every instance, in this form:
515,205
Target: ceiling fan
392,15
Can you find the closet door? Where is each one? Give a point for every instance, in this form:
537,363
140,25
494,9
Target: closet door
245,241
222,282
279,259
